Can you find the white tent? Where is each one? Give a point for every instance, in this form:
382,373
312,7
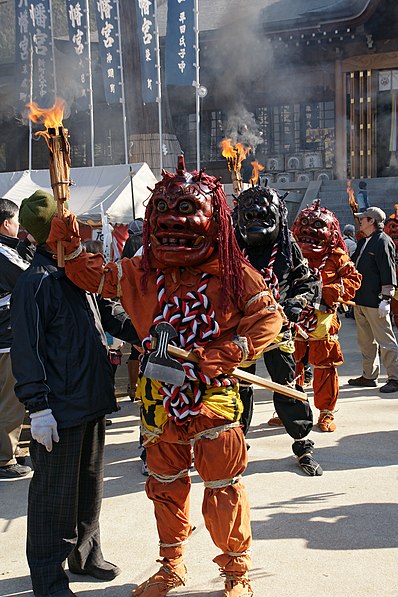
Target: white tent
113,187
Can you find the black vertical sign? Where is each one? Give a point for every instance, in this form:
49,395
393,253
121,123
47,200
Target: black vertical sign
108,39
79,35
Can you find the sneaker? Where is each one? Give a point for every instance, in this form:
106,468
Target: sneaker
144,469
363,382
389,387
14,471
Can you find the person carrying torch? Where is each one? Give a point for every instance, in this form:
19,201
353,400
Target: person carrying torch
193,276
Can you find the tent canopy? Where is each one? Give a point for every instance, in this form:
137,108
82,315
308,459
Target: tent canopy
113,187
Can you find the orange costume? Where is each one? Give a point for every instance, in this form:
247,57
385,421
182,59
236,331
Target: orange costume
164,285
318,234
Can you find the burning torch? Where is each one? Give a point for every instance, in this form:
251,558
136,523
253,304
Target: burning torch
235,154
56,137
354,208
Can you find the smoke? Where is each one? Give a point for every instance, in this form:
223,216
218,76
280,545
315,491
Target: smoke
238,60
241,127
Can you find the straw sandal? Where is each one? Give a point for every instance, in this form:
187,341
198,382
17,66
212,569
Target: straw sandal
326,421
237,585
163,581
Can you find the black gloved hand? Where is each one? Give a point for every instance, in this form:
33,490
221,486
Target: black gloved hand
293,308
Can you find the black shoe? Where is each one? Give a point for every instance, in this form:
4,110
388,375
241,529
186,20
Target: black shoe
389,387
106,571
364,382
14,471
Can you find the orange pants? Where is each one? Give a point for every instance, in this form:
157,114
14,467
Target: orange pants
325,355
225,510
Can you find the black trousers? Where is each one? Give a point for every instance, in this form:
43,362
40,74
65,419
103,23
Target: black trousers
64,505
295,415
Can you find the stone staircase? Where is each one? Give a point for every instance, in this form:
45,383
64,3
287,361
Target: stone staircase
382,192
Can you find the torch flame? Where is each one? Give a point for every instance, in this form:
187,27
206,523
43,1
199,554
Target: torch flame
235,154
257,167
49,117
351,197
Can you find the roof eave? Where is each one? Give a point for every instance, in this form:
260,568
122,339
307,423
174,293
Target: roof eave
326,24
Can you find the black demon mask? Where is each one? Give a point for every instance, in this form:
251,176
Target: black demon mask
258,216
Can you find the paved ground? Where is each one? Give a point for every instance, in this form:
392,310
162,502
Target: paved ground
334,536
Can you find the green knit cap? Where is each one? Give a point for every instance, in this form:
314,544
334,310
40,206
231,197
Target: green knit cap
36,213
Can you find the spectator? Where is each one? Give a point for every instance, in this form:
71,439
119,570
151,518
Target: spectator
64,378
375,260
362,196
12,412
94,246
349,238
134,241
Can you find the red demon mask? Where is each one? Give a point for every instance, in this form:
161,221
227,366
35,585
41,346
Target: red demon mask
182,229
187,219
391,226
317,231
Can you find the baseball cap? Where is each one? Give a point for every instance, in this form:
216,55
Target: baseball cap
372,212
135,227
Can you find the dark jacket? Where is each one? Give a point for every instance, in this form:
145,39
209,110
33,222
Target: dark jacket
59,352
377,266
14,259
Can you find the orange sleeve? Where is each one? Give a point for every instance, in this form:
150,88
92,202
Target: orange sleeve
258,321
344,282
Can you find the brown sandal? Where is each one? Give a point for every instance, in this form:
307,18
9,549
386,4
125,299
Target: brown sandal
237,585
326,421
163,581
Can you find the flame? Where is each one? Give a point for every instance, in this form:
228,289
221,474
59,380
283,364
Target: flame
351,196
235,154
257,167
49,117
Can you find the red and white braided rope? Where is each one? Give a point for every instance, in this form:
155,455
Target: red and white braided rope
308,319
269,276
193,318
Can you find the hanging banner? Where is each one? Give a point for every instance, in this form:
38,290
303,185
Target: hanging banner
108,40
146,20
43,88
23,50
79,35
180,41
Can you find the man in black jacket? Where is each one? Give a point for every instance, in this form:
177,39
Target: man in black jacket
64,379
375,260
14,256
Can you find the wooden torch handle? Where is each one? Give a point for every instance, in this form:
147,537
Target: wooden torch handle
60,248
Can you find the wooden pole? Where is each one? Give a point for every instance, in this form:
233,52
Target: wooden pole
59,166
245,376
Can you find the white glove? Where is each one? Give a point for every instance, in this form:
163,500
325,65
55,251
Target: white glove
43,428
384,308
